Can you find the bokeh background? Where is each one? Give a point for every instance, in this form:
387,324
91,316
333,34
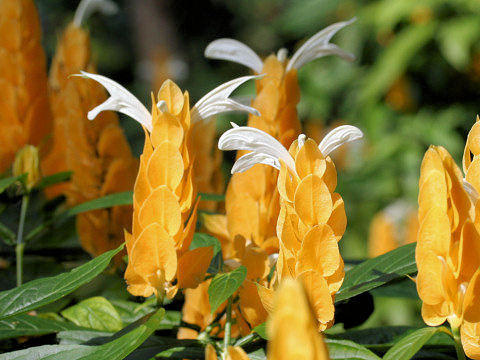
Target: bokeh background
416,82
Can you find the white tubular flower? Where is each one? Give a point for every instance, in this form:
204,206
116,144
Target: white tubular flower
318,46
265,149
120,100
236,51
87,7
217,101
339,136
471,191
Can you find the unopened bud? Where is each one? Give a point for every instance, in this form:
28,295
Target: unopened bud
26,161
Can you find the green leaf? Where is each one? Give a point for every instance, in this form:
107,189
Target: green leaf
26,325
224,285
6,182
116,349
130,311
401,288
261,330
375,272
54,179
205,240
95,313
37,293
123,198
348,350
7,235
212,197
410,344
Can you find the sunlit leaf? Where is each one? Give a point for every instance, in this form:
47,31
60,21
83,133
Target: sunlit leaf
224,285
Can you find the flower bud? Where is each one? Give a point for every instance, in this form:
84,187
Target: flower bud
26,161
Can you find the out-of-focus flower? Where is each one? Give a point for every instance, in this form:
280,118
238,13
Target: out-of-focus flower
399,96
26,161
165,202
312,217
448,245
394,226
25,116
73,54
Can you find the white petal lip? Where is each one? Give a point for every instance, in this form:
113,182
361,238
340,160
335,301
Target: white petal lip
265,149
87,7
236,51
217,101
339,136
318,45
120,100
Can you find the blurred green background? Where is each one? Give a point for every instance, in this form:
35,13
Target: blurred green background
416,80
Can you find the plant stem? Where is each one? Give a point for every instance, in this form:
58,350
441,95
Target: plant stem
458,343
20,245
228,327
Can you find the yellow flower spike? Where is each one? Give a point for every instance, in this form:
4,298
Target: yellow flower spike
448,245
292,328
165,193
26,161
25,117
308,245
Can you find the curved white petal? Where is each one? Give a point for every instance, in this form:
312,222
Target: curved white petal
301,140
265,149
318,45
236,51
87,7
217,101
470,189
120,100
339,136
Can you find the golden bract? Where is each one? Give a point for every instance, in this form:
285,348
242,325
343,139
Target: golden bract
164,216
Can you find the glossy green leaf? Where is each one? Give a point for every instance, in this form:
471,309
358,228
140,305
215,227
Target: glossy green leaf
130,311
261,330
205,240
37,293
224,285
378,271
348,350
26,325
95,313
114,350
123,198
410,344
6,182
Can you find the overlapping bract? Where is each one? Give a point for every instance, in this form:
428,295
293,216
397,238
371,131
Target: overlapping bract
165,216
97,152
25,117
448,247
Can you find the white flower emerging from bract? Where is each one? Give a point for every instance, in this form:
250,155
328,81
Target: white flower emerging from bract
265,149
217,101
120,100
87,7
317,46
339,136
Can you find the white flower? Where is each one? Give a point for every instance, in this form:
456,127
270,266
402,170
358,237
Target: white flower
217,101
265,149
339,136
87,7
120,100
317,46
123,101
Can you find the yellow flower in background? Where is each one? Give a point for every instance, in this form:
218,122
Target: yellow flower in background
252,203
25,116
394,226
448,246
312,216
73,54
165,194
27,162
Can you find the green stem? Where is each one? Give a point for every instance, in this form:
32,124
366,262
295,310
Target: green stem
458,343
20,245
228,327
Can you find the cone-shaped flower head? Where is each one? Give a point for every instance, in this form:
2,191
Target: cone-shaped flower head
25,116
448,247
165,192
312,216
